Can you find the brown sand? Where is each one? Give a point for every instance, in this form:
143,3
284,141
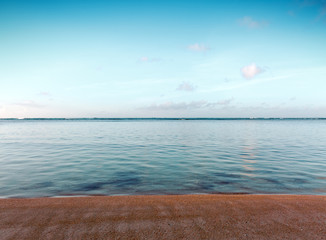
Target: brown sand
165,217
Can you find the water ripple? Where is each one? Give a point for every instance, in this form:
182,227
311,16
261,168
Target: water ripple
49,158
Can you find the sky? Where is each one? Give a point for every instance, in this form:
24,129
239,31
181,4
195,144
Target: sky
76,58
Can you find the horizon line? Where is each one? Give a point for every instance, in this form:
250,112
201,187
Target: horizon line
173,118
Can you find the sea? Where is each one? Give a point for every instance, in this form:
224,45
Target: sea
81,157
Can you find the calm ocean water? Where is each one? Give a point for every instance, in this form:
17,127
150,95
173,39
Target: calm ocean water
86,157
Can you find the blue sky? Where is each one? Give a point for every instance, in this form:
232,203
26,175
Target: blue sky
163,58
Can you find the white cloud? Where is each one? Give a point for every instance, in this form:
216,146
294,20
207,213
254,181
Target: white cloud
147,59
44,94
224,102
177,106
186,86
251,23
293,98
251,71
198,47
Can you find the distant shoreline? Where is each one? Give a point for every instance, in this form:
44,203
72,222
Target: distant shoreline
149,119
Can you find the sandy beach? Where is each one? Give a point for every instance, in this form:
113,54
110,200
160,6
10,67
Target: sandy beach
165,217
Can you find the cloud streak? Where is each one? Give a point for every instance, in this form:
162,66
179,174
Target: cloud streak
251,23
28,103
198,47
319,4
227,87
175,106
147,59
44,94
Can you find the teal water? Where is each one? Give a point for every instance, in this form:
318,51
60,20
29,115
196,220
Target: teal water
110,157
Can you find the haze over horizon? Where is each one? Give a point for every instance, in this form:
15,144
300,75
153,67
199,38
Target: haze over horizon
162,59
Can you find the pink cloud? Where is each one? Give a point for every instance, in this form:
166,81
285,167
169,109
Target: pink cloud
251,71
143,59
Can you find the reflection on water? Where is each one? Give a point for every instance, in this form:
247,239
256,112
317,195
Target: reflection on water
248,168
248,156
51,158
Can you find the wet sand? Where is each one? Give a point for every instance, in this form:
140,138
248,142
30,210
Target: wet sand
165,217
